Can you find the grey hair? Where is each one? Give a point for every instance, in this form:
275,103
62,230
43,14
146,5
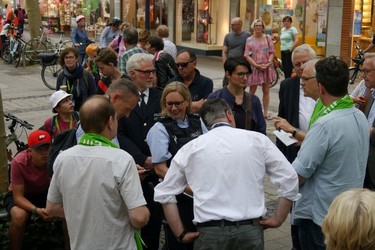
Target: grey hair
304,48
214,110
136,59
312,63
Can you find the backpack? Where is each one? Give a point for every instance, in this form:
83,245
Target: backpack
20,15
62,141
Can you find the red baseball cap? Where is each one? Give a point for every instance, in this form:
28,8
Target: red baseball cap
39,138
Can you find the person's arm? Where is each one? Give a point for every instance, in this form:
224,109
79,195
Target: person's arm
282,211
161,169
74,37
370,46
196,106
55,209
23,203
283,124
114,44
139,216
102,37
295,38
224,53
174,221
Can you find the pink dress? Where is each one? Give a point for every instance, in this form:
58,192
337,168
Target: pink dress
259,50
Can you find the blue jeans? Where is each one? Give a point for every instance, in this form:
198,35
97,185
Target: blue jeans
310,235
244,237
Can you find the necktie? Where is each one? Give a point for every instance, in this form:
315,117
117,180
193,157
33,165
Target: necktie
143,103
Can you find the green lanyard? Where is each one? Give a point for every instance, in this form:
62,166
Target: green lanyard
321,110
58,126
91,139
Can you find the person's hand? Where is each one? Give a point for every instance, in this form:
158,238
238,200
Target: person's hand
358,99
142,172
148,163
42,213
190,237
282,124
77,44
271,222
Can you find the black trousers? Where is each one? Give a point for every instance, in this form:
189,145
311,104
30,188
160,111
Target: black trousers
286,57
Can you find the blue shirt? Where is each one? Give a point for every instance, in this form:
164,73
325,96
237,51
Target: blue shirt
80,36
107,36
332,159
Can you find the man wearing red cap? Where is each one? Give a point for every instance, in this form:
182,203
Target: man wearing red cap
29,186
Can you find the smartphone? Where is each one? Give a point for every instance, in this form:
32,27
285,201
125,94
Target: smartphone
147,170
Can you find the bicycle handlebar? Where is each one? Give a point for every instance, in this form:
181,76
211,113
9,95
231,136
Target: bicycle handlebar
16,120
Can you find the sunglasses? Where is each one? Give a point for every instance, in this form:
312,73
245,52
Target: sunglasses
184,64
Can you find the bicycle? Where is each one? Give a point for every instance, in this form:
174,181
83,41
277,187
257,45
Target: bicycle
279,72
44,44
12,50
50,69
354,78
12,137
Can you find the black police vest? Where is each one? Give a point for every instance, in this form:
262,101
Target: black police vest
178,137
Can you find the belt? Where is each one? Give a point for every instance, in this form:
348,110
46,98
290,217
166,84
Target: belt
227,223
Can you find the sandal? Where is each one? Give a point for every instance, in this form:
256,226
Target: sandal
268,117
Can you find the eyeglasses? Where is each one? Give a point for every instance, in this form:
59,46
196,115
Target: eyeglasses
177,104
305,79
300,64
146,72
366,71
243,74
258,25
69,57
184,64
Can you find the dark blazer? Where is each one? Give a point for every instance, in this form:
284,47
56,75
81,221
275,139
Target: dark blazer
132,130
289,110
370,170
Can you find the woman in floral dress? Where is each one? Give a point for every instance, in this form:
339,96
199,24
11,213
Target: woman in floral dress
259,51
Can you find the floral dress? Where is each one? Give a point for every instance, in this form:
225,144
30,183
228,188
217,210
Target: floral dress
259,49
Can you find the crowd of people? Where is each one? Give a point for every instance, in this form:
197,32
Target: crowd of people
157,148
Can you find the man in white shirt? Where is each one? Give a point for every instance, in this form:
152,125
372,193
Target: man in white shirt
95,185
225,169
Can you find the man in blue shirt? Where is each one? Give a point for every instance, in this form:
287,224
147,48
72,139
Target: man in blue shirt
79,38
331,160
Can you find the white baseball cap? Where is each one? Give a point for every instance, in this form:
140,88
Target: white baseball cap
78,18
56,98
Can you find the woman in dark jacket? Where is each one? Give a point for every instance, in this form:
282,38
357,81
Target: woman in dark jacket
74,79
165,65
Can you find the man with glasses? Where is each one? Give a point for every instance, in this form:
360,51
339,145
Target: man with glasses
132,132
237,71
234,42
199,86
332,158
368,74
130,36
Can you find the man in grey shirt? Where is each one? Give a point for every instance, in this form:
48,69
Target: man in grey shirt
234,42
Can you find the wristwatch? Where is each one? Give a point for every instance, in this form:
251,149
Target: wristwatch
181,236
295,131
33,211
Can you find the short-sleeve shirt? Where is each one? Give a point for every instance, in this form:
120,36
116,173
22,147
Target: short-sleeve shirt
236,43
287,38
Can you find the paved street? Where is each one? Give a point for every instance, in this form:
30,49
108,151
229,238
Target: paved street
25,95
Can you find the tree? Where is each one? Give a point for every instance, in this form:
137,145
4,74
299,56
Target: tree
35,19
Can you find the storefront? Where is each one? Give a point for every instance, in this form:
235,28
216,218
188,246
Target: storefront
202,24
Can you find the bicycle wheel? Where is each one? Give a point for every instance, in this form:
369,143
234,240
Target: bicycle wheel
6,53
33,48
273,83
355,77
49,75
17,54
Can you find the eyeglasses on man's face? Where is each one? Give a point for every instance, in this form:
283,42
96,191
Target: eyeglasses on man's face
184,64
146,72
178,104
305,79
366,71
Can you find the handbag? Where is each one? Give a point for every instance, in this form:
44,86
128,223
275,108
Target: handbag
276,63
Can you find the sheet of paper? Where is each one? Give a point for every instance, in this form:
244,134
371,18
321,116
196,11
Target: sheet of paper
285,137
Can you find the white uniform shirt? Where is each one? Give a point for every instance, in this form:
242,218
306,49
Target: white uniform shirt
225,168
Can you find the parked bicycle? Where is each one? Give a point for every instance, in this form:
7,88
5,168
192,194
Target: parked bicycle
355,71
279,72
12,137
12,50
50,69
43,43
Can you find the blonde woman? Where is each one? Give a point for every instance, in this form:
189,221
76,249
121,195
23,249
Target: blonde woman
259,52
350,221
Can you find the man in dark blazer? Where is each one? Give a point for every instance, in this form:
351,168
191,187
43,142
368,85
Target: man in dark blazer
290,109
368,74
132,133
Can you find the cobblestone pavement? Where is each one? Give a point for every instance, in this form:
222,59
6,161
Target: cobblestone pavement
25,95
